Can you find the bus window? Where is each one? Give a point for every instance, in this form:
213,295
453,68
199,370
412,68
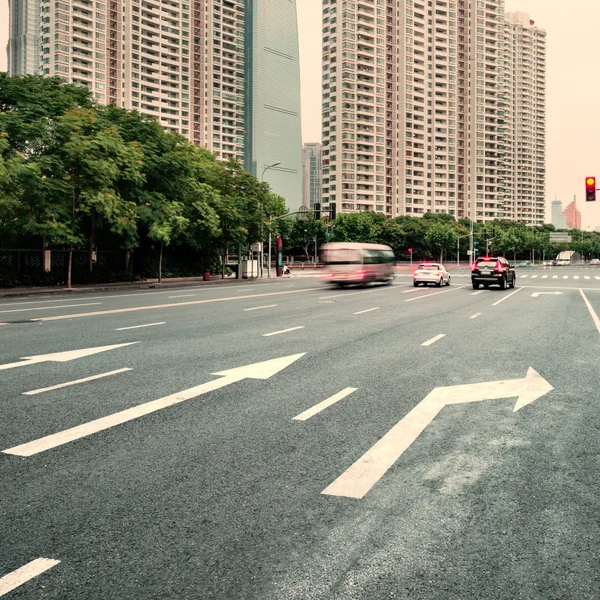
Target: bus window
342,257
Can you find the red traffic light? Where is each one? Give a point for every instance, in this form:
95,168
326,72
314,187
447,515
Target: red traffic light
410,250
590,189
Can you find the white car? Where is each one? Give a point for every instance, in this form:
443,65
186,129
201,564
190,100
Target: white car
431,273
563,263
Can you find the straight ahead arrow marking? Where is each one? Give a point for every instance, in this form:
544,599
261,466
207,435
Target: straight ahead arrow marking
261,370
372,466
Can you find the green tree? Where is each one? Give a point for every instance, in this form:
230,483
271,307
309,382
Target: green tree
357,227
308,234
441,238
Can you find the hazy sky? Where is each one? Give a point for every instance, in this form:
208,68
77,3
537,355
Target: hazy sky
573,93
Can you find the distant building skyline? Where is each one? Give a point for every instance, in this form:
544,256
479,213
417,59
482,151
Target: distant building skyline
573,216
311,174
558,218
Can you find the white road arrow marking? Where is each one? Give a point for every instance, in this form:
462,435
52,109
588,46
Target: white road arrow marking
261,370
62,356
370,468
536,294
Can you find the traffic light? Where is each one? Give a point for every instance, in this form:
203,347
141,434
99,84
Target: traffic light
590,189
332,211
317,210
410,250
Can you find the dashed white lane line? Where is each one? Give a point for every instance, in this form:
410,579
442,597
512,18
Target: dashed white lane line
458,287
76,381
554,276
524,276
411,291
377,289
575,276
183,296
544,276
433,340
247,289
140,326
592,311
479,292
475,316
534,277
507,297
586,277
283,331
114,311
360,312
596,277
27,572
3,324
565,277
260,307
14,310
317,408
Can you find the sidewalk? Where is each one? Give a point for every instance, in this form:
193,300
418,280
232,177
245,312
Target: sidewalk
138,285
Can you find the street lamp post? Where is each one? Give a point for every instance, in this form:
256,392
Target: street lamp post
460,237
261,228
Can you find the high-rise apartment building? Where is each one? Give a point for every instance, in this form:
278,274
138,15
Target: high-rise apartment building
273,119
223,73
219,86
525,119
311,174
414,103
22,49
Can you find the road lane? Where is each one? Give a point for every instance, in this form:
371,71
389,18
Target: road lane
211,492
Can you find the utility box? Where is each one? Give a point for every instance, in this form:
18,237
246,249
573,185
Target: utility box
249,268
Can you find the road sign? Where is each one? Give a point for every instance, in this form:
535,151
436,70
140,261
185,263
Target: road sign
261,370
372,466
62,356
303,213
469,253
560,237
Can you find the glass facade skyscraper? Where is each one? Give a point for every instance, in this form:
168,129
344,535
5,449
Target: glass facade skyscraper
23,42
273,121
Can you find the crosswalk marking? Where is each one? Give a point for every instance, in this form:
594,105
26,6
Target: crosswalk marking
565,277
554,276
534,277
585,277
575,276
596,277
544,276
524,276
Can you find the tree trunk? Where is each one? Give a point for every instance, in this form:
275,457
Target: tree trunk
70,267
91,256
514,256
223,255
160,256
441,256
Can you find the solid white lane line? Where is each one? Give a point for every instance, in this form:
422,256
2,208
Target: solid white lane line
140,326
115,311
475,316
360,312
14,310
507,297
433,340
260,307
283,331
317,408
25,573
183,296
458,287
592,311
75,382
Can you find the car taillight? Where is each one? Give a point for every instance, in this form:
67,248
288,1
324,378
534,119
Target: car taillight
361,273
499,267
417,272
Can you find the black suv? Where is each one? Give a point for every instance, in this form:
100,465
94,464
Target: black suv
493,271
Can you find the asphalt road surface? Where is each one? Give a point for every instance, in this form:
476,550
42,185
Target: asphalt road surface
386,442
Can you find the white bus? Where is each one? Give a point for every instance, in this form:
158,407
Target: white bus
351,263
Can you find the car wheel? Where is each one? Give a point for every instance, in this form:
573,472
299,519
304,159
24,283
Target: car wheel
448,280
415,284
475,286
440,283
486,286
513,282
503,283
